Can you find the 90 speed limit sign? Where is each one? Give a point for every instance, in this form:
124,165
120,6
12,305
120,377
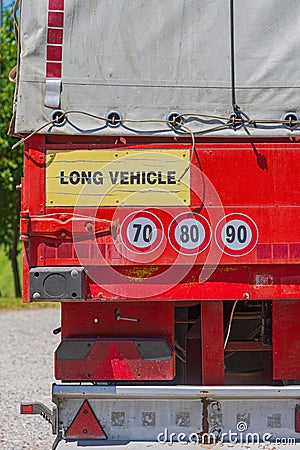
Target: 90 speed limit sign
236,234
189,233
141,232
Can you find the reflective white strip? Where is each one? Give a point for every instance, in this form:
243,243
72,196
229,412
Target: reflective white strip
53,91
220,392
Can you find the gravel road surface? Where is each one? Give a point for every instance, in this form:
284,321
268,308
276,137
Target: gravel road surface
26,374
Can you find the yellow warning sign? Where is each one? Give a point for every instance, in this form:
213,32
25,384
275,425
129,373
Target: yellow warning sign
117,177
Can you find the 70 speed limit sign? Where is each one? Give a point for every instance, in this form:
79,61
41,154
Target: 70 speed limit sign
141,232
236,234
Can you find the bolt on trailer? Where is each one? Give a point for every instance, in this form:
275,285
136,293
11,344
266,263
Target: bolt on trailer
160,207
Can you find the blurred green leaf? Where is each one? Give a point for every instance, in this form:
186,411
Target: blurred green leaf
11,165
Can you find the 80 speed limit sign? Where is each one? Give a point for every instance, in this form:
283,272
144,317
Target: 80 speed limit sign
236,234
189,233
141,232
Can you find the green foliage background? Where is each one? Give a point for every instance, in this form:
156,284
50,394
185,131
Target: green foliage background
11,165
6,276
11,169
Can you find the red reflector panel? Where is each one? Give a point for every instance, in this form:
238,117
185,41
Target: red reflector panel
280,251
56,4
118,359
85,425
286,339
55,19
297,419
264,251
295,250
26,409
53,69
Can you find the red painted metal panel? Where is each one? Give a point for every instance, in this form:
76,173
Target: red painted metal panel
269,253
232,167
109,357
180,283
265,253
222,154
34,175
256,179
193,347
274,282
25,269
33,199
278,237
286,339
95,319
261,170
212,334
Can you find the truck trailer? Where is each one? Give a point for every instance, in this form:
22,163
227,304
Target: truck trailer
160,208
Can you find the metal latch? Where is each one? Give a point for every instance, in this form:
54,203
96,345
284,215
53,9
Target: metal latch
65,227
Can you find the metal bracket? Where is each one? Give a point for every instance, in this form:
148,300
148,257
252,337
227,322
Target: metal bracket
65,227
42,410
57,440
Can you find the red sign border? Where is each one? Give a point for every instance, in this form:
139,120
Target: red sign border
236,216
145,250
191,252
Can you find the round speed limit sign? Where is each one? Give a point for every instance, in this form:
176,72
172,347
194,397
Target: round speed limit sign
141,232
189,233
236,234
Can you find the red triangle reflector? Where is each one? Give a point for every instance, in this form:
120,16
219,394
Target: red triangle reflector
85,425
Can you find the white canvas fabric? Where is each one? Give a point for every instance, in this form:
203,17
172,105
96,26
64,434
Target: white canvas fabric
146,59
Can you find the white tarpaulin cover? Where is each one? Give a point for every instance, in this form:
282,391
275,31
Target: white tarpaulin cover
146,59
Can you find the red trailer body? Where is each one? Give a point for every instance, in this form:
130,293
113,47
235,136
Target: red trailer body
256,183
171,239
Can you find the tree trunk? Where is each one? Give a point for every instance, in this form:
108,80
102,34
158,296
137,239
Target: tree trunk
14,261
